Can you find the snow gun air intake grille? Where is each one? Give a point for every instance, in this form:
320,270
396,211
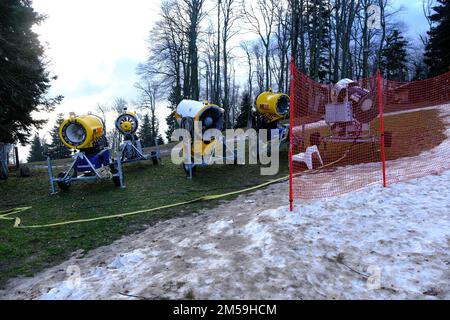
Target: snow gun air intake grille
127,123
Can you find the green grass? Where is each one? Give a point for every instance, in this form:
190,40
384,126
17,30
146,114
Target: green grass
23,252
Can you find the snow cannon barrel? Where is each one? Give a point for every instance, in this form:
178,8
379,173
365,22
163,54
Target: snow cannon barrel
364,108
190,113
127,123
272,106
82,132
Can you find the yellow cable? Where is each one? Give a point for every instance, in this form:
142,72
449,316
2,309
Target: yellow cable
4,214
17,221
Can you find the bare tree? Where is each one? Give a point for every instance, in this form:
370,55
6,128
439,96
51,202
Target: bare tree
174,59
257,52
103,109
382,4
281,50
229,11
246,46
193,10
261,20
120,104
427,7
217,82
149,93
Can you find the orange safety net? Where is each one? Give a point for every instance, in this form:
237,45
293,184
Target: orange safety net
337,139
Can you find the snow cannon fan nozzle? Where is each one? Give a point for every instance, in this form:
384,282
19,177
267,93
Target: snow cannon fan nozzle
190,112
82,132
272,106
202,120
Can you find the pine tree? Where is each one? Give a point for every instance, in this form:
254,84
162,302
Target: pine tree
246,106
437,55
57,149
149,131
419,71
317,19
174,99
37,150
393,57
145,133
156,133
171,125
160,140
24,80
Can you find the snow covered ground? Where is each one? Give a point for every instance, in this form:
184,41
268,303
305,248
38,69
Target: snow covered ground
371,244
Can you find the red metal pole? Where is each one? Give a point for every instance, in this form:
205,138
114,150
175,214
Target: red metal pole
380,103
291,125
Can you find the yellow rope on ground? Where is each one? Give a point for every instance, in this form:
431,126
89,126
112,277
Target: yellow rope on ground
4,215
17,221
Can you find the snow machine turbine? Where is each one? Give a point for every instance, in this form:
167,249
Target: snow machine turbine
271,108
349,115
87,135
131,149
189,115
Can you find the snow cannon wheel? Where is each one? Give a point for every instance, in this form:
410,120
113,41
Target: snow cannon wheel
63,185
154,157
115,178
24,172
3,174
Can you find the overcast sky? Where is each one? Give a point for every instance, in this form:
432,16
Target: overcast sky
94,47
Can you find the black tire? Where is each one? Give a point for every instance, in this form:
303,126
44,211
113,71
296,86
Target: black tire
115,179
3,175
155,159
63,185
3,171
24,171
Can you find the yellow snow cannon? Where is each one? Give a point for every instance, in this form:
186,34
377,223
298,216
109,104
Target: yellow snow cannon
270,109
189,114
82,132
87,134
131,148
272,106
127,123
